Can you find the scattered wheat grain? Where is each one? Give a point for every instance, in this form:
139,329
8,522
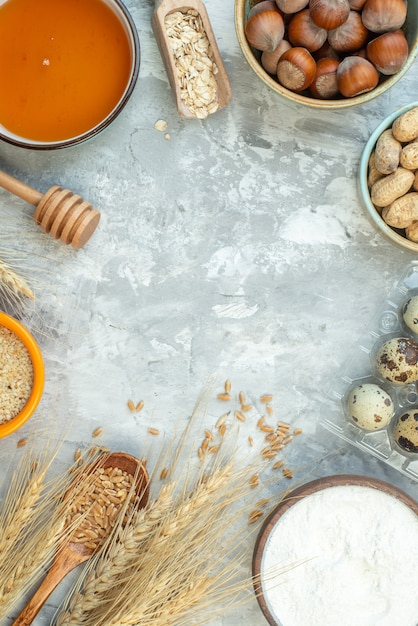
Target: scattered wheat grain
22,442
139,406
270,454
278,465
97,432
239,416
255,515
254,480
287,440
287,473
262,502
261,421
222,419
227,386
224,396
131,405
271,437
266,398
297,431
153,431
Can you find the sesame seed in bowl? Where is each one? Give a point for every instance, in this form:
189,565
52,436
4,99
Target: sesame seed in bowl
22,374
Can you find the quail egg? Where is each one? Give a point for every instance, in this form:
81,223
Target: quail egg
397,360
410,314
406,430
370,407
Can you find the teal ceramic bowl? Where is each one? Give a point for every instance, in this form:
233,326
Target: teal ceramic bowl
252,56
394,236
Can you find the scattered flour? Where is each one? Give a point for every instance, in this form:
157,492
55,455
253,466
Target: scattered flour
356,550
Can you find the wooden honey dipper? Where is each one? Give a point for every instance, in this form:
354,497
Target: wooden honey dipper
59,212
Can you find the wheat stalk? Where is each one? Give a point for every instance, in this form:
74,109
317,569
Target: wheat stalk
173,567
111,565
176,554
32,517
154,526
13,284
28,564
177,577
24,498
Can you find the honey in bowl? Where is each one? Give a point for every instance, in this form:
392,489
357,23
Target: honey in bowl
64,66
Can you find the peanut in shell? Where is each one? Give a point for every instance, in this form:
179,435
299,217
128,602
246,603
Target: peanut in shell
389,188
405,127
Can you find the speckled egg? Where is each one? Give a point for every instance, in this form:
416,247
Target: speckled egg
410,314
370,407
397,360
406,430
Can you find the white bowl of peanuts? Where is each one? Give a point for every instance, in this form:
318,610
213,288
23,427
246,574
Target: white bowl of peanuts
388,177
22,375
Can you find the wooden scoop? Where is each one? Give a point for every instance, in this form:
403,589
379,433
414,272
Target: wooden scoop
59,212
163,8
70,555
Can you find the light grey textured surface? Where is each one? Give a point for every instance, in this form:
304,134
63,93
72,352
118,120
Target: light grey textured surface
239,247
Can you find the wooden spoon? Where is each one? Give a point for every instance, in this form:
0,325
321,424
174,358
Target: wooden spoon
163,8
59,212
70,554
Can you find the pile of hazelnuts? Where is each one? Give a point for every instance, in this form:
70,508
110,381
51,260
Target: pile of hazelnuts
331,48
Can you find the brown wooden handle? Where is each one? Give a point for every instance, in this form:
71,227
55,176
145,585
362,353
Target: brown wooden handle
19,189
65,561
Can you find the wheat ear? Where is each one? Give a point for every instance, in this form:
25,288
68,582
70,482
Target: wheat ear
201,510
14,282
84,604
107,568
177,575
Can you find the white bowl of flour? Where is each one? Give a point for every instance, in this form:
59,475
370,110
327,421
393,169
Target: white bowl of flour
339,551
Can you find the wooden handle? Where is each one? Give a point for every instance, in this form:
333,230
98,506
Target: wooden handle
65,561
19,189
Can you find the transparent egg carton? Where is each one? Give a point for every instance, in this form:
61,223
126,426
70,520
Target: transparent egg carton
360,369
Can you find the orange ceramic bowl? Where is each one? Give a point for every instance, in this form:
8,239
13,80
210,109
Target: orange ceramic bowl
32,347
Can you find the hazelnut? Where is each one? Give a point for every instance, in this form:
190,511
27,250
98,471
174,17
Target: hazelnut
303,32
329,14
388,52
325,85
355,76
296,69
381,16
350,36
269,60
264,29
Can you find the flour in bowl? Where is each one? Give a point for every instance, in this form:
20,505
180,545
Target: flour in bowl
350,555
